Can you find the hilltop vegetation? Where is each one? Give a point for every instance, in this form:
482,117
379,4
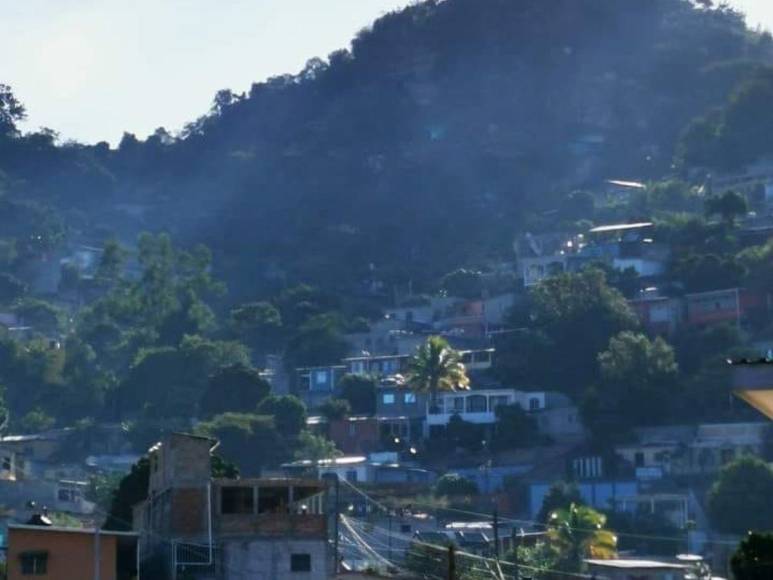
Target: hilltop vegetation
444,128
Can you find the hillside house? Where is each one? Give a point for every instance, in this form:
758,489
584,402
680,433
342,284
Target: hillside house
59,553
228,528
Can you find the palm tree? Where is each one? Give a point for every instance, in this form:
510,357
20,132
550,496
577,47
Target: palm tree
578,532
437,367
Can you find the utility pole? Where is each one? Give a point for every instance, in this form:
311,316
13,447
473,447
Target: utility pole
335,528
451,562
97,554
496,533
389,539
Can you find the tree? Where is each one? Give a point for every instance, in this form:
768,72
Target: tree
560,496
335,409
454,485
318,341
728,206
132,489
170,382
753,559
111,262
250,441
637,376
514,428
360,391
288,411
11,112
739,500
578,533
35,421
571,319
39,314
236,388
315,447
258,324
11,288
463,283
437,367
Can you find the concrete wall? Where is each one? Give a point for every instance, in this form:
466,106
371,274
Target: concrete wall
269,559
70,554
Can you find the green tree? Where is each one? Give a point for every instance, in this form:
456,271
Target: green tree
234,388
454,485
250,441
335,409
514,428
288,411
753,560
11,112
360,391
111,262
463,283
318,341
132,489
578,532
739,500
11,288
170,382
35,421
258,324
637,376
315,447
571,319
728,205
560,496
41,315
436,367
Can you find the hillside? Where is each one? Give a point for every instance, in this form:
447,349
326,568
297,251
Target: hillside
445,129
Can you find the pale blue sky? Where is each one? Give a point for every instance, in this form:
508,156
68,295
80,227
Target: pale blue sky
91,69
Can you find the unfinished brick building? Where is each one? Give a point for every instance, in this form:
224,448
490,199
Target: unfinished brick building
228,529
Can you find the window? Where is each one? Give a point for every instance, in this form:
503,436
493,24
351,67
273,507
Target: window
300,562
405,528
388,398
476,404
351,476
68,495
321,380
409,398
273,499
34,563
7,463
638,459
237,500
352,427
458,404
534,404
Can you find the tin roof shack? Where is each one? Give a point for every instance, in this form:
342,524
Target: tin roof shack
70,553
229,528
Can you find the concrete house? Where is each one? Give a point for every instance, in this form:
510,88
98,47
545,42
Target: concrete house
55,553
229,529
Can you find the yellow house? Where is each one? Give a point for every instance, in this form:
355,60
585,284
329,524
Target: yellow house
49,552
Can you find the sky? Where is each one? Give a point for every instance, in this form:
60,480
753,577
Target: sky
92,69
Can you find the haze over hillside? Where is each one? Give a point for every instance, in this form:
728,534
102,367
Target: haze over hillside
447,128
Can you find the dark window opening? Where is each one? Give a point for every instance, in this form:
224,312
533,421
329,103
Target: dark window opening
639,459
273,499
300,562
237,500
34,563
